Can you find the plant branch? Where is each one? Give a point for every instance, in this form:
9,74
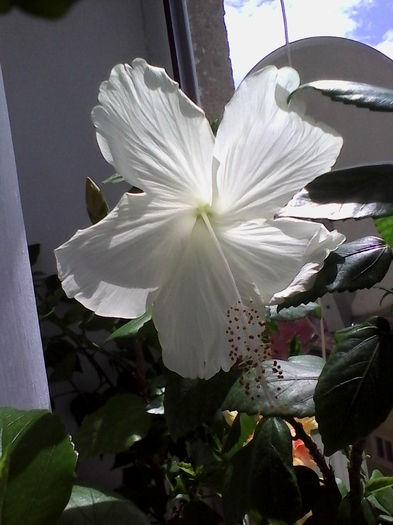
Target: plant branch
83,344
355,482
326,471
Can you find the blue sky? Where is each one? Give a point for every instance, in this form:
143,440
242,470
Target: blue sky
255,26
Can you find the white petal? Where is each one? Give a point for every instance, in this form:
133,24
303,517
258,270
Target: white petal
267,152
271,254
190,311
153,135
115,267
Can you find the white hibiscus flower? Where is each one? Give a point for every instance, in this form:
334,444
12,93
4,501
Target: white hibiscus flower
200,244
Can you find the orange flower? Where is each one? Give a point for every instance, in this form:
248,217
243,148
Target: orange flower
301,454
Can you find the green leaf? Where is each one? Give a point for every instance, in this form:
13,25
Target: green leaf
236,497
96,205
261,476
357,192
89,506
375,98
377,484
366,513
309,486
214,124
385,519
292,383
132,327
325,508
353,266
4,470
113,179
41,467
242,429
381,500
189,403
354,394
385,228
114,427
274,490
293,313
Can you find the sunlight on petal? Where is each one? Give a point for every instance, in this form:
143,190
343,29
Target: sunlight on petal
190,310
200,245
115,266
270,254
267,153
153,135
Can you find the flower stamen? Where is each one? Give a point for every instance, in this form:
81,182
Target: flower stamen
244,318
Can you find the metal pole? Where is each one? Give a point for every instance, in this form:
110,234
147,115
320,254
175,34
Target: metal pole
181,47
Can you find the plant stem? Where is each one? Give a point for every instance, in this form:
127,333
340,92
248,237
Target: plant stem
322,332
140,366
83,344
326,471
355,482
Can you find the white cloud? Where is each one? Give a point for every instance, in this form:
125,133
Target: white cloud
386,45
256,29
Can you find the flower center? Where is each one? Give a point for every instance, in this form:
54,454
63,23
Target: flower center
203,210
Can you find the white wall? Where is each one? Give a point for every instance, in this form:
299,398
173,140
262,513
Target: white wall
52,71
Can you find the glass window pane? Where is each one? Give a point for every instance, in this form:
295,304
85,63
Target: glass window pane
255,27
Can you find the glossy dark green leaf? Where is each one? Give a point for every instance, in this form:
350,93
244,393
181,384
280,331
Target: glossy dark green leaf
262,476
242,429
292,384
366,514
353,266
89,506
354,393
326,506
293,313
375,98
189,403
114,427
378,483
132,327
41,467
309,486
236,497
357,192
274,489
96,205
381,498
